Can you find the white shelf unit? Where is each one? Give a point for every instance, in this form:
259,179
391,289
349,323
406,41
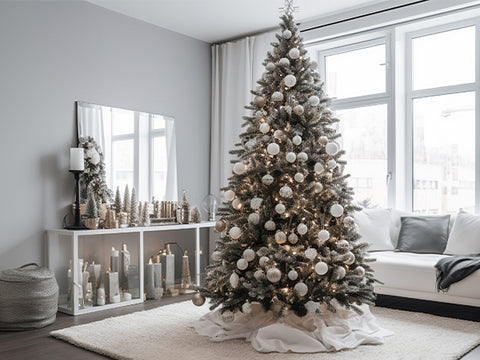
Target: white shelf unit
66,247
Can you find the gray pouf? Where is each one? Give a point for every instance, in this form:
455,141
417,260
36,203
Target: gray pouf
28,297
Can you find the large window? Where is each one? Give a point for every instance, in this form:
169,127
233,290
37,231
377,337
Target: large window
356,81
406,98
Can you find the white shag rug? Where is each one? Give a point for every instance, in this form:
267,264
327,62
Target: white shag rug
167,333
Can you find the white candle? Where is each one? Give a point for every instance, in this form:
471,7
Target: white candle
76,159
101,296
127,296
115,299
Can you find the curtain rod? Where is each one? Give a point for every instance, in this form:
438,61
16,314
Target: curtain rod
364,15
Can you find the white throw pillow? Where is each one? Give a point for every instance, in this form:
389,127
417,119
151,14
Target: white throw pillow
464,238
374,226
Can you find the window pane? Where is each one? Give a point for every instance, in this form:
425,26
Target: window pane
356,73
159,167
122,159
444,153
158,122
364,137
446,58
122,122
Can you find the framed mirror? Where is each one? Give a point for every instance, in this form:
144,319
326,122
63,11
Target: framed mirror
139,148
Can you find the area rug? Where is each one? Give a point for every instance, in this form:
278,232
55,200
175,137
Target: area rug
166,333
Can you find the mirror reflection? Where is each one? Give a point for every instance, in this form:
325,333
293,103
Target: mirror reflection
139,148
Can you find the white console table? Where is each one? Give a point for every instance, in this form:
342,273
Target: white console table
65,247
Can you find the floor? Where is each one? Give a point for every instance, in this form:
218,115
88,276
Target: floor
38,345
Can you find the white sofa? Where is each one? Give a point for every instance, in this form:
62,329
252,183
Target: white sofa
408,274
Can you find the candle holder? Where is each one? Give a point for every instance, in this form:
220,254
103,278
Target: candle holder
78,224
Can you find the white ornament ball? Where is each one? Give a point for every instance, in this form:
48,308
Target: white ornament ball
239,168
323,235
287,34
237,204
278,134
291,157
312,307
248,254
314,100
254,218
280,237
251,144
319,168
259,101
311,253
277,96
313,65
247,308
270,66
302,156
216,256
331,164
229,195
274,275
235,232
321,268
242,264
331,148
255,203
264,128
302,229
228,316
279,208
343,245
336,210
263,260
301,289
293,275
294,53
318,187
286,191
348,221
338,273
298,110
299,177
293,238
234,280
349,258
270,225
290,80
267,179
359,270
259,275
284,62
297,140
323,140
273,149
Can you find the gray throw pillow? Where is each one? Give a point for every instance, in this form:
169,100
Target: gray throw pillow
423,234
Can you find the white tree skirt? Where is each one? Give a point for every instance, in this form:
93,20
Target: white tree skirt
344,329
167,333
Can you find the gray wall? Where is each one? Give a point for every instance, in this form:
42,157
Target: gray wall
53,53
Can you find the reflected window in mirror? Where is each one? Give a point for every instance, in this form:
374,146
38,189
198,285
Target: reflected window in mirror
139,148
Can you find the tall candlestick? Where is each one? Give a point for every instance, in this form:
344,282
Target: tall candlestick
168,267
149,280
76,159
186,278
114,260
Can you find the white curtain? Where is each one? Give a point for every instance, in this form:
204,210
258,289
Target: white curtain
236,67
171,185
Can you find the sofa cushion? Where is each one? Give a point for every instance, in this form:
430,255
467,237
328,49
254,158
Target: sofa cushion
423,234
465,236
374,226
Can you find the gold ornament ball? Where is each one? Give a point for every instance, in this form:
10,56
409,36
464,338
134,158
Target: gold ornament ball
198,299
220,225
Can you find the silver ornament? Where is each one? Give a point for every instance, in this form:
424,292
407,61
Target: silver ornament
293,238
259,275
273,149
301,289
294,53
331,148
255,203
314,100
290,80
248,254
302,156
234,279
319,168
359,270
277,96
247,308
284,62
317,187
253,218
264,128
270,66
336,210
235,233
338,273
302,229
229,195
299,177
331,164
323,140
298,110
259,101
278,134
216,256
237,204
270,225
348,258
220,225
198,299
321,268
323,235
239,168
263,260
280,208
267,179
291,157
287,34
311,253
286,191
242,264
274,275
293,275
348,221
280,237
297,140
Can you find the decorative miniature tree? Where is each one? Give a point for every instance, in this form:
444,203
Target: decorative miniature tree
146,215
91,211
134,209
126,200
288,239
118,202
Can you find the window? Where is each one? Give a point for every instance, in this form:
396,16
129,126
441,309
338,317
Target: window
159,157
360,100
406,98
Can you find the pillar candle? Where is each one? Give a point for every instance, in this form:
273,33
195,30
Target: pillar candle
114,260
95,272
168,267
79,282
101,296
133,281
124,264
186,278
127,296
157,273
76,159
149,280
115,299
111,285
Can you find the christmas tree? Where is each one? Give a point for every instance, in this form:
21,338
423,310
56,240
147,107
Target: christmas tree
288,240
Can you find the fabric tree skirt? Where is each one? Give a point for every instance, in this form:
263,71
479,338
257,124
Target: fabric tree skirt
323,332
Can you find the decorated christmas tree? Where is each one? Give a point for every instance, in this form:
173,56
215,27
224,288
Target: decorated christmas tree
288,240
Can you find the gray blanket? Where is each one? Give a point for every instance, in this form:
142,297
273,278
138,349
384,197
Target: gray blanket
455,268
